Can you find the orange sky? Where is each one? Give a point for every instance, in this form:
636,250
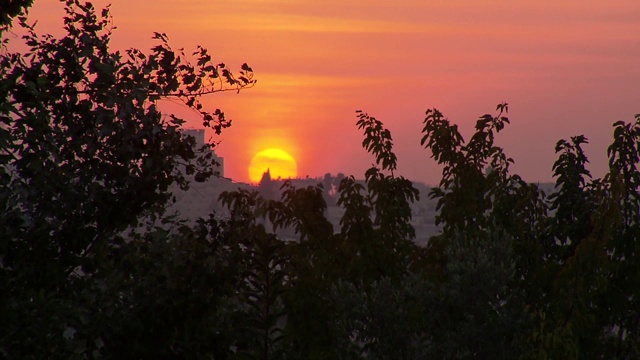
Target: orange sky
565,68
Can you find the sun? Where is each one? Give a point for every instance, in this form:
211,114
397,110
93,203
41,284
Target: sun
279,163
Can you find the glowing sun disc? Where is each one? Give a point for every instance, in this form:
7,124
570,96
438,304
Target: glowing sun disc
279,163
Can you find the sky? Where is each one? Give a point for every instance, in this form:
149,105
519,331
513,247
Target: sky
565,67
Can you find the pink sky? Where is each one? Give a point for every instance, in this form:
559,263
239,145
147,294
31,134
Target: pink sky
565,68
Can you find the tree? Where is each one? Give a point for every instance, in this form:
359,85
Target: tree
328,183
516,273
168,292
374,240
521,274
11,9
86,155
468,307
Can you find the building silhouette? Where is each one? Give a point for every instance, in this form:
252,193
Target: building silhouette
201,199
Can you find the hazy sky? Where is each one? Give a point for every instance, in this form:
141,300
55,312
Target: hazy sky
565,68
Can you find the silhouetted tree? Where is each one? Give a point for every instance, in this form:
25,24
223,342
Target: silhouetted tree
85,156
329,190
11,9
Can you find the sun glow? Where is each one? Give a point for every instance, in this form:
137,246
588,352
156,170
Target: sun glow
279,163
